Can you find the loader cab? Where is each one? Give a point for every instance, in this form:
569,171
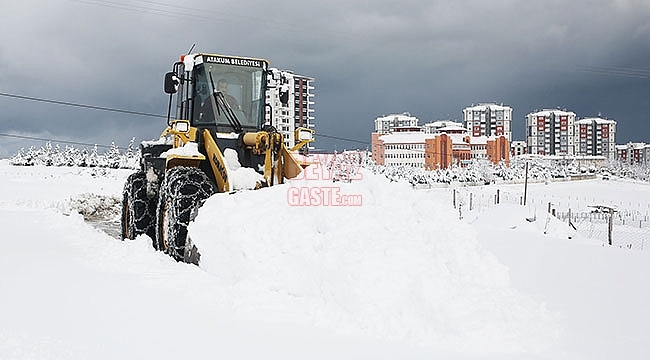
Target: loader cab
217,91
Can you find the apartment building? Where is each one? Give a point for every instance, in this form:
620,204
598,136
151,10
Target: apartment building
595,137
445,126
488,119
297,109
390,123
634,153
550,132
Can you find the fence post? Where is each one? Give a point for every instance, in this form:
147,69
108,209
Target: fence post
454,198
611,225
470,201
526,184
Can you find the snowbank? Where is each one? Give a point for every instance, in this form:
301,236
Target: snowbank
397,277
400,267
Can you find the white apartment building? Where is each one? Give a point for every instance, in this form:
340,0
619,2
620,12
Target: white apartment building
596,137
298,111
389,123
634,153
445,126
489,119
550,132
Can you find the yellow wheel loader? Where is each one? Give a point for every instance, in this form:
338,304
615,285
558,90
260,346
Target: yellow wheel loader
220,109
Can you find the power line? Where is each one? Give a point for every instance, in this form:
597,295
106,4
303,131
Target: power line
196,14
57,102
55,140
619,71
94,107
342,139
157,9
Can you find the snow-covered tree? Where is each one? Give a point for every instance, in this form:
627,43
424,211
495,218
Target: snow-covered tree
49,155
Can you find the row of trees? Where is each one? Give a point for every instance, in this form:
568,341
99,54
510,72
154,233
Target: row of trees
346,163
484,172
55,155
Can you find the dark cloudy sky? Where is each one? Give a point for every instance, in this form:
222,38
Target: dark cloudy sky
369,58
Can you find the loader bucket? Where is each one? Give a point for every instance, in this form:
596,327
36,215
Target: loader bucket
291,166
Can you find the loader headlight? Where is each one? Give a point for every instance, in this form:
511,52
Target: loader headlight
181,126
305,135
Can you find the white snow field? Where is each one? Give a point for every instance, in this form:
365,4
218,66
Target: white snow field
398,276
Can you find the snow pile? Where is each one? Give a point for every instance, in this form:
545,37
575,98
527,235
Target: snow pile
239,177
319,282
188,149
401,267
93,207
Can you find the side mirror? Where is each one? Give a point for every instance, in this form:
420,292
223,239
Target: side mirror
171,83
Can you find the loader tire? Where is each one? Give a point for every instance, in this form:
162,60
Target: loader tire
137,209
183,192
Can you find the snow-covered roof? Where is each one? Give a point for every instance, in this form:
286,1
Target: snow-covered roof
452,128
587,121
548,112
443,124
633,145
483,140
404,115
485,106
406,137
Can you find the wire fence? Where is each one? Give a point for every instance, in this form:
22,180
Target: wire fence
629,228
584,214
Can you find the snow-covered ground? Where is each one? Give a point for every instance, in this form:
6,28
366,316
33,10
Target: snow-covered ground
403,274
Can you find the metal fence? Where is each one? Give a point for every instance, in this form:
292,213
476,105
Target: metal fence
630,222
